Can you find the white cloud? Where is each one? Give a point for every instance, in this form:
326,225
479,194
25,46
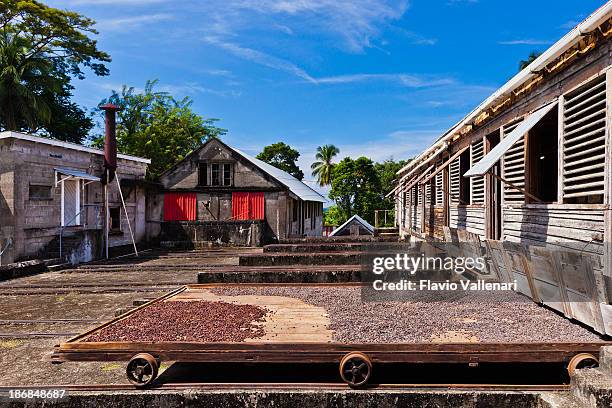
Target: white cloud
407,80
259,57
128,23
526,41
194,88
355,22
284,28
270,61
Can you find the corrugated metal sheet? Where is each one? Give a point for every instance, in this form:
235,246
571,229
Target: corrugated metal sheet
483,166
76,173
256,206
297,187
248,206
180,207
240,206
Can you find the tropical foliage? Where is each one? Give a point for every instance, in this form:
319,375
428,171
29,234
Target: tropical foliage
359,187
323,167
282,156
158,126
41,50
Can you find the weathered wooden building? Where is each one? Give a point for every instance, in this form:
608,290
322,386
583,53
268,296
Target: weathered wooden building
219,193
530,168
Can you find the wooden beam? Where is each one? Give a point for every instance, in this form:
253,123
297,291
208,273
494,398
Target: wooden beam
419,178
445,164
503,180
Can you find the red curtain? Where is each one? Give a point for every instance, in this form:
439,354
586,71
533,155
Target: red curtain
180,207
248,206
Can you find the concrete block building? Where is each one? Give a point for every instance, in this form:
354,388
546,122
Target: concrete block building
219,193
50,188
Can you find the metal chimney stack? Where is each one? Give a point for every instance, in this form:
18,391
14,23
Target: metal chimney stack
110,142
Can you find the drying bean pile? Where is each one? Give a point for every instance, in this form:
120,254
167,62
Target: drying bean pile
485,317
192,321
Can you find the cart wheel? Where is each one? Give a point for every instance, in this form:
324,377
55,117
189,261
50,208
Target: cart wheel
355,369
142,369
582,360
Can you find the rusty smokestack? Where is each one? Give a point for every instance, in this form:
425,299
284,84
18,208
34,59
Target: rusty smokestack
110,142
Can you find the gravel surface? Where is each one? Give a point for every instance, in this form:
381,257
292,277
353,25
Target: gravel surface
505,317
196,321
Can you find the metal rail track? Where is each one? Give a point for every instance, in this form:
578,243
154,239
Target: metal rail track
296,386
92,290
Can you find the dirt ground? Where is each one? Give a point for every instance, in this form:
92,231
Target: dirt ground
40,311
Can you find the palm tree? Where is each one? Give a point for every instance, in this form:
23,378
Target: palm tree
20,105
323,168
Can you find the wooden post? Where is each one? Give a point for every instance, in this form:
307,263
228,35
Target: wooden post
608,180
488,196
446,188
560,150
422,220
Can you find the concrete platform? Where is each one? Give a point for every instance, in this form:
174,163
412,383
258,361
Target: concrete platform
316,258
361,238
316,247
248,397
281,274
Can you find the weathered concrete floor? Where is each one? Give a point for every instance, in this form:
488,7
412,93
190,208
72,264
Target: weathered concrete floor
75,300
299,398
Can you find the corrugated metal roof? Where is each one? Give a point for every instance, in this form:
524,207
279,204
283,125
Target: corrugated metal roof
507,142
76,173
363,222
297,187
53,142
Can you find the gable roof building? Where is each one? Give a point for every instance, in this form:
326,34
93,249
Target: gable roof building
353,226
220,183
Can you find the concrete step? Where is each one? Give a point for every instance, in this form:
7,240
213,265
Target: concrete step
59,266
332,246
361,238
386,229
281,274
605,360
247,395
592,387
389,234
317,258
560,400
315,247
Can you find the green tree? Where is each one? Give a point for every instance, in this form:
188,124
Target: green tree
532,57
356,188
159,127
323,168
387,174
282,156
41,50
333,216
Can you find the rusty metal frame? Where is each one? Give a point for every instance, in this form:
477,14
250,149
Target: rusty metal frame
75,349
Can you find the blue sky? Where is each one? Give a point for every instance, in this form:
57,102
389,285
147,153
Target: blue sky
376,78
